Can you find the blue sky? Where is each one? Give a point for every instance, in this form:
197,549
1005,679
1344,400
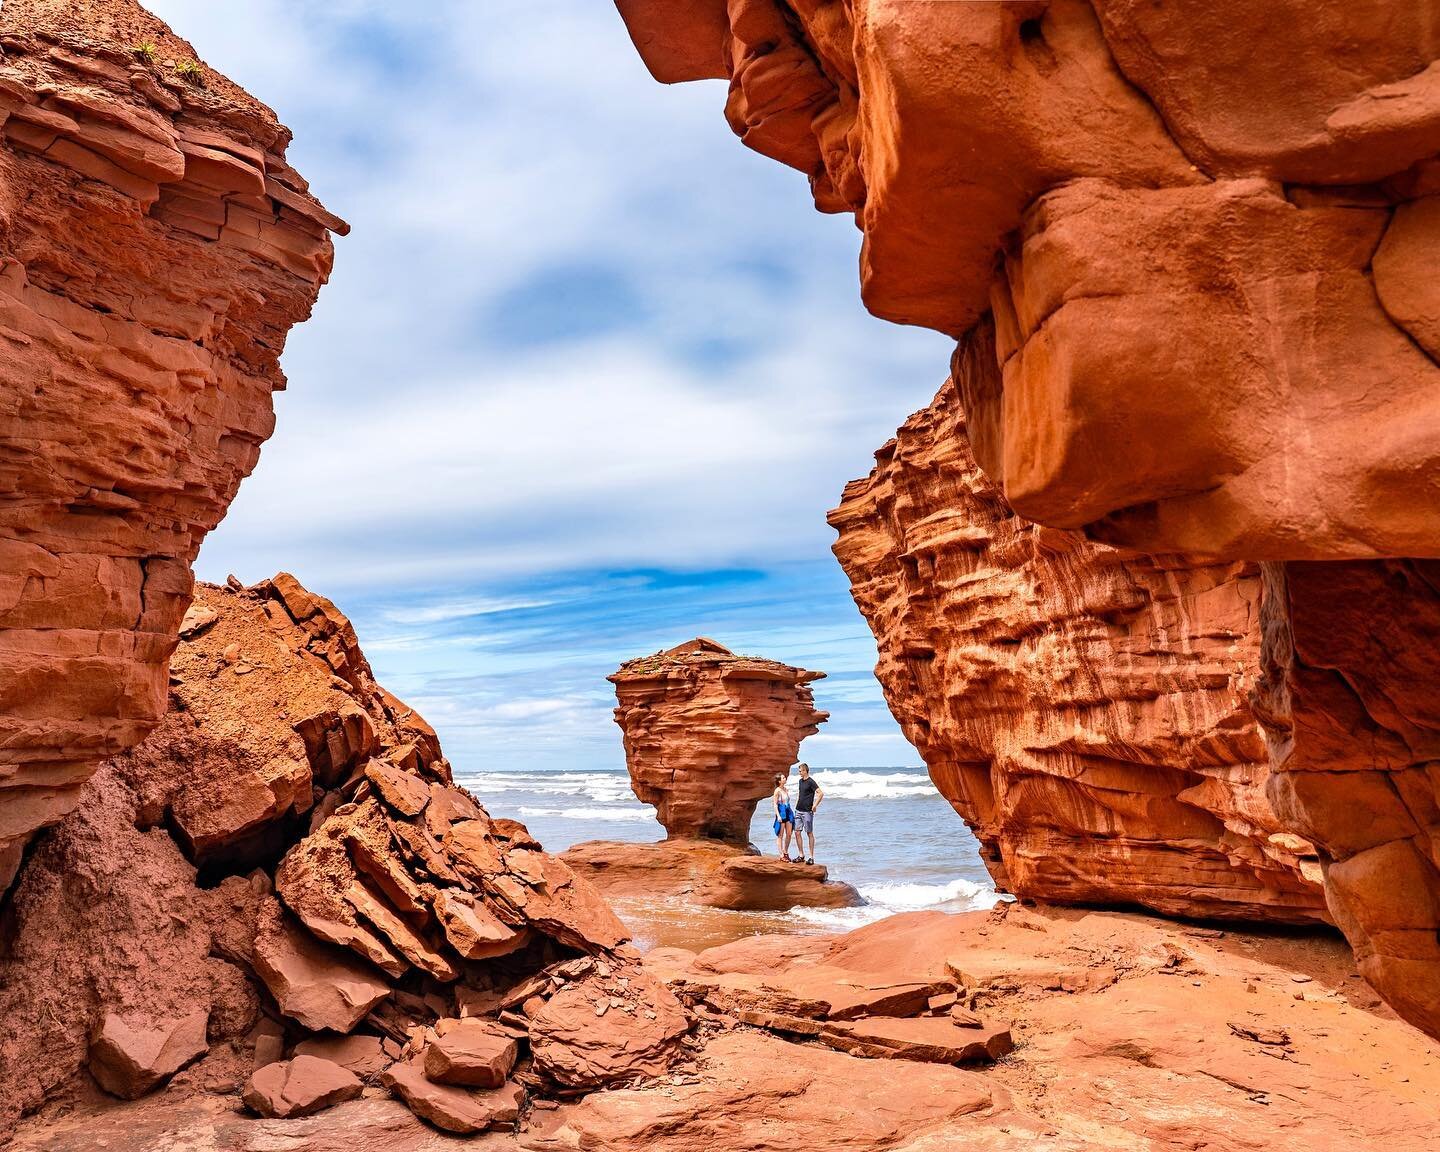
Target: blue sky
587,377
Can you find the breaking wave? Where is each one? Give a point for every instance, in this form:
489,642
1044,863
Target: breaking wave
881,900
601,787
624,815
614,787
855,784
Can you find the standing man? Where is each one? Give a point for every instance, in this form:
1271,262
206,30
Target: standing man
807,803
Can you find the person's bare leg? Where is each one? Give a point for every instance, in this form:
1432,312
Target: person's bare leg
811,835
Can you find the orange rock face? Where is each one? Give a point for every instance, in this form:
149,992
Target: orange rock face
1082,707
707,731
1350,700
155,250
1171,328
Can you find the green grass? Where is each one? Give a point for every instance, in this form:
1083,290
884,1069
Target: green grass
191,72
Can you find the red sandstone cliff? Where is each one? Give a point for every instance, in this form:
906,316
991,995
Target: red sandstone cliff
155,250
707,731
1187,252
1084,708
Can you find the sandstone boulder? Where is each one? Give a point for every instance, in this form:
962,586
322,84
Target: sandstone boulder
129,1058
365,1056
454,1109
469,1052
764,883
301,1086
607,1029
321,986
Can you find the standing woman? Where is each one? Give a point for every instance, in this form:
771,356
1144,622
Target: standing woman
784,816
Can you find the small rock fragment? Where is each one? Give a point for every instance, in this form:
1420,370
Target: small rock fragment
128,1060
471,1052
299,1087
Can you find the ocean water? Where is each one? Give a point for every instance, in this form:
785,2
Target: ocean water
884,830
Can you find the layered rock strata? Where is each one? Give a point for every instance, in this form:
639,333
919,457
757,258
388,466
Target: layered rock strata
1188,322
287,856
706,733
155,250
1083,707
1349,699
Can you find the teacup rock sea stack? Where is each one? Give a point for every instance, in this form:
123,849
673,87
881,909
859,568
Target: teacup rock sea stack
1187,252
707,731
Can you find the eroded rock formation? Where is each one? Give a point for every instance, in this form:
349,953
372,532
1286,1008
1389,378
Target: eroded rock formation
1171,329
286,855
1084,708
155,250
707,731
1187,252
1351,704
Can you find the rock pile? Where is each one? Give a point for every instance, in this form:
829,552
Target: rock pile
361,917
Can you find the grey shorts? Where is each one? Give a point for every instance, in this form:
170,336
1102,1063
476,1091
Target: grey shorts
804,821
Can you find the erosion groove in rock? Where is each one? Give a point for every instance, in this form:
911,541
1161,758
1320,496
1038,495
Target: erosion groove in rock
155,250
1082,707
706,733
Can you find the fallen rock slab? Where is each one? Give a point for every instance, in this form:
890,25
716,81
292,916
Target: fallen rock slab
470,1052
769,884
299,1087
665,868
321,986
852,996
758,1092
607,1029
365,1056
128,1060
926,1039
459,1110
